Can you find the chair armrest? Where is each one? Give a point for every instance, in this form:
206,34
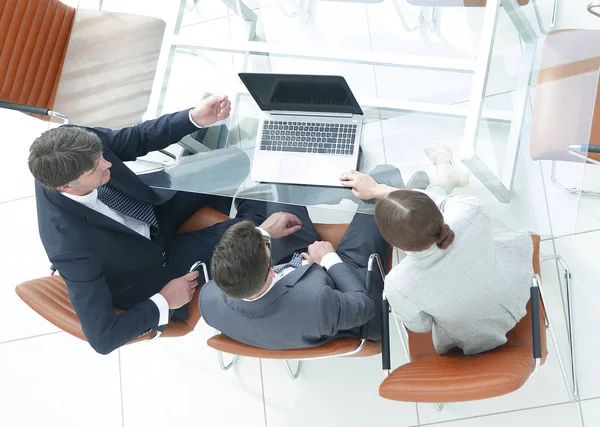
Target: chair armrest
585,148
535,320
24,108
374,260
591,6
386,361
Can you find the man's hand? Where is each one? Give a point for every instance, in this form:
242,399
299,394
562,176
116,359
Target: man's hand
178,292
281,224
211,109
317,250
364,186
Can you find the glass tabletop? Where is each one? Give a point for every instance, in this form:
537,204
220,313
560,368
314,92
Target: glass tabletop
466,78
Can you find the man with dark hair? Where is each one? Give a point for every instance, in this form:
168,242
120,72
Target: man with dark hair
308,295
112,237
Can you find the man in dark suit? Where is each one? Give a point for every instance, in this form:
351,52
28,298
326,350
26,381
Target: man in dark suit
312,295
112,237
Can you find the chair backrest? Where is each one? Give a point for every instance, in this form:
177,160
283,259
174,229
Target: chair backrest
49,297
333,348
34,35
567,100
421,344
109,68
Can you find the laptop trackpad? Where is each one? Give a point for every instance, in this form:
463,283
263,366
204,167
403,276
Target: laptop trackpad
294,167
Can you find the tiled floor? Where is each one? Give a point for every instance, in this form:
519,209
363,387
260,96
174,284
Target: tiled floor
50,378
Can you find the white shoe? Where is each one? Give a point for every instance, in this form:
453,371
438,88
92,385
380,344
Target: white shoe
449,173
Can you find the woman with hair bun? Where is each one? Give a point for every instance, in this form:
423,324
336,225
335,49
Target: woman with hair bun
461,279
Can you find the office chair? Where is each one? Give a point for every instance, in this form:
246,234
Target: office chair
429,377
48,296
566,112
89,67
481,3
341,347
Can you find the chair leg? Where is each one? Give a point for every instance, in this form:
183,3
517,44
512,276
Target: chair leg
570,190
294,374
573,386
432,24
538,17
403,19
438,407
222,364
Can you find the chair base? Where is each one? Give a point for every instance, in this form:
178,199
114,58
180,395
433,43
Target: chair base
570,190
573,385
222,364
293,374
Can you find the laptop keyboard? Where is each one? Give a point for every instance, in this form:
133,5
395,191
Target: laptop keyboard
308,137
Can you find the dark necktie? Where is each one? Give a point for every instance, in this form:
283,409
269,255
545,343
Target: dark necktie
129,206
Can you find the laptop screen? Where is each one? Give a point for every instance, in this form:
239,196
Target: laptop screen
292,92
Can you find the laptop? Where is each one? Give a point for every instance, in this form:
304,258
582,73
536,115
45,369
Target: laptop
309,129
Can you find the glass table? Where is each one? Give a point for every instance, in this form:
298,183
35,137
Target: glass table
388,138
471,87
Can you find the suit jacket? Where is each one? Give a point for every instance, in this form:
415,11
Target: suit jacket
470,294
105,264
306,308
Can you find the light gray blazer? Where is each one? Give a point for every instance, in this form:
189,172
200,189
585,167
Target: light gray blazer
470,294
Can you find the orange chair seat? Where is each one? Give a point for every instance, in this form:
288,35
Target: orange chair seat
49,296
455,378
336,347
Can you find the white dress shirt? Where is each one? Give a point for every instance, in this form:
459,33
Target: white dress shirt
91,201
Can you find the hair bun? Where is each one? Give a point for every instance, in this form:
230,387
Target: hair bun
446,237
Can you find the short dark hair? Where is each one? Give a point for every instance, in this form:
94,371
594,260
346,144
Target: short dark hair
240,262
61,155
411,221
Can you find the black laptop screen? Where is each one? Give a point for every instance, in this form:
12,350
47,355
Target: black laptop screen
291,92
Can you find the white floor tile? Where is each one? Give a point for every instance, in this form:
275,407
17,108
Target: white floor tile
588,216
553,416
58,381
202,12
579,253
331,392
573,14
156,8
19,131
22,258
590,410
182,376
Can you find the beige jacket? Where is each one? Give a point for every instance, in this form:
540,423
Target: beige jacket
472,293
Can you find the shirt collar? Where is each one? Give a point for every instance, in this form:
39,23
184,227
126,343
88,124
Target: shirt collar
275,280
90,200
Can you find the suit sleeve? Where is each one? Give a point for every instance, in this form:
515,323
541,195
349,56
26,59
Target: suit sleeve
132,142
88,291
409,313
404,308
349,306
